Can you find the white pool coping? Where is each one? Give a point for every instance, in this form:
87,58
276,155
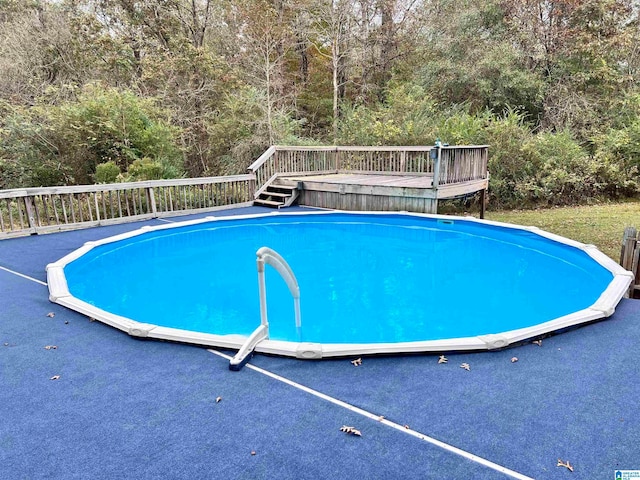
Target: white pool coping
602,308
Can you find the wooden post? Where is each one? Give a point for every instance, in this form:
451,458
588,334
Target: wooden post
252,187
634,289
483,202
628,247
28,205
629,254
152,201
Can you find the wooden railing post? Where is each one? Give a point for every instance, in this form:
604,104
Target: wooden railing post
28,205
436,165
252,186
151,198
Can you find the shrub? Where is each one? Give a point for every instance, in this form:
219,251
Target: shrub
109,125
145,169
106,172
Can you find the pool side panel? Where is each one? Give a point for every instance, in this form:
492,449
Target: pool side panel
603,307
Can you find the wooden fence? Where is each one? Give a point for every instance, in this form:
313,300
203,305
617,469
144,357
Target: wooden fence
39,210
450,164
630,258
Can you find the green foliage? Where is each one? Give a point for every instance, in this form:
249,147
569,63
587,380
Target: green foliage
107,172
111,125
406,118
145,169
96,91
27,156
241,130
473,61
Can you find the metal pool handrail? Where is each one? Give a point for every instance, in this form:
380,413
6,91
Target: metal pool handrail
269,256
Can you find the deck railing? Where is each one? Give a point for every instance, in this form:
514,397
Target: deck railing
40,210
454,164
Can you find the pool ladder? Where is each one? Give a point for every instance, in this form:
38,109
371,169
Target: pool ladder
265,255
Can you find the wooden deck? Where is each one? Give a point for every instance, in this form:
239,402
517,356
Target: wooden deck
375,178
348,178
377,192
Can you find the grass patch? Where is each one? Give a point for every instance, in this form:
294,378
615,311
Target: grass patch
601,225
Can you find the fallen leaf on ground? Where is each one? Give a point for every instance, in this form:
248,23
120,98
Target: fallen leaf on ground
466,366
55,377
66,322
218,399
538,342
51,314
350,430
91,319
356,362
50,347
253,452
442,359
406,426
514,359
380,418
566,465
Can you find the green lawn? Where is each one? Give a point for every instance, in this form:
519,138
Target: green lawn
601,225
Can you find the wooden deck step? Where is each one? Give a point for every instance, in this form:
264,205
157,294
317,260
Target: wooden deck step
267,203
269,193
277,196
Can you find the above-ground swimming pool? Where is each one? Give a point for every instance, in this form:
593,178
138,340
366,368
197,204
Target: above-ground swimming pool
368,282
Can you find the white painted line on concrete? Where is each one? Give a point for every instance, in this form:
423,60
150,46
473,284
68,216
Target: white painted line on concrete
384,421
24,276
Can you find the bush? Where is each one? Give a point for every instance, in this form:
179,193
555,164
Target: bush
145,169
110,125
563,173
106,172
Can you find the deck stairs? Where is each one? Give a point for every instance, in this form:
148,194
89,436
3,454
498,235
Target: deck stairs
278,196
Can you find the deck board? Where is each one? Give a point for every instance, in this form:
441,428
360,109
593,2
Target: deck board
412,181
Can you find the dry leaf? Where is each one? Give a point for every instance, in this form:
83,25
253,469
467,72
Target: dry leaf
218,399
406,426
442,359
66,322
91,319
514,359
538,342
55,377
465,366
350,430
51,314
566,465
380,418
50,347
253,452
356,362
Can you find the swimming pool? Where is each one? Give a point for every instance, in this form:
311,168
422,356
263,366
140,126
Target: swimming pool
368,282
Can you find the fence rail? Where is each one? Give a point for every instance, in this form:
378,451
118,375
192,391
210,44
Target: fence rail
452,164
39,210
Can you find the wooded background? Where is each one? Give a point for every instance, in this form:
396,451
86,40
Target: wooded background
115,90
